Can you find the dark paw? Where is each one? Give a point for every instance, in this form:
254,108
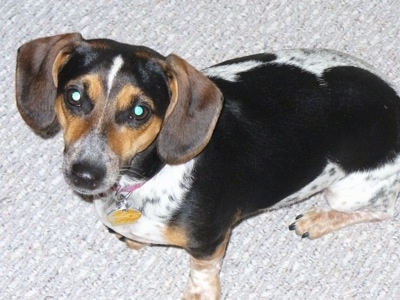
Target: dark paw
120,237
110,230
130,243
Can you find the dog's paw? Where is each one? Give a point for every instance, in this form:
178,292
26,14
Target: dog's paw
130,243
314,224
318,222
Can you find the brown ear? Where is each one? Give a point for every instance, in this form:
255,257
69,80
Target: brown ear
34,82
195,105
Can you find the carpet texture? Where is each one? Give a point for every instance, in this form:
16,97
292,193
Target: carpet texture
52,246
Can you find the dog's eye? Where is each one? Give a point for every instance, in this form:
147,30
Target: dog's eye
135,116
140,112
74,97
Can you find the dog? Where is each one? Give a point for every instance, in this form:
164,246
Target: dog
177,156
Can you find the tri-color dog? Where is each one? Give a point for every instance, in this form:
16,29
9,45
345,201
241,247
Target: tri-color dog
177,156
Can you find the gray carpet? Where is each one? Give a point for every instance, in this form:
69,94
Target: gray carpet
52,246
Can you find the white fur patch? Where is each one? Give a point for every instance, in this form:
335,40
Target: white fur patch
204,282
319,60
168,188
115,67
315,61
231,72
374,190
157,200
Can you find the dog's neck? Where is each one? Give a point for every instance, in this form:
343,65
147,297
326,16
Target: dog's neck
155,198
124,186
143,166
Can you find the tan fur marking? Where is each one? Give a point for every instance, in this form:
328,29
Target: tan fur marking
59,62
74,127
131,243
204,280
95,87
173,87
126,95
238,216
77,126
58,107
175,236
318,222
126,142
135,245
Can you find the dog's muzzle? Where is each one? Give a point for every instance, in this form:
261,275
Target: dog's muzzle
90,166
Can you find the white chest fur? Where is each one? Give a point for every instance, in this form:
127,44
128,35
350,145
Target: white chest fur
157,199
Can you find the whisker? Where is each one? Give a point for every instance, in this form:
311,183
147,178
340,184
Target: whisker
129,171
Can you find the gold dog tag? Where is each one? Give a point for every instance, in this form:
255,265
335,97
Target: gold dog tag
123,216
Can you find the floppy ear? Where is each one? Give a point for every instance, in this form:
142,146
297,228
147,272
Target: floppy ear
195,105
35,81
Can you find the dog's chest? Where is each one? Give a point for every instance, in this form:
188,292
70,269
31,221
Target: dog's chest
149,207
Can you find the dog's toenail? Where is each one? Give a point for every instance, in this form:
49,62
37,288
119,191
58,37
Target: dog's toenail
299,216
292,226
305,235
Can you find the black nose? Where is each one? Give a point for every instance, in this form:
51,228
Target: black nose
87,176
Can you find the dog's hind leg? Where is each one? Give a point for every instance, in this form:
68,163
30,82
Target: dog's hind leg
367,196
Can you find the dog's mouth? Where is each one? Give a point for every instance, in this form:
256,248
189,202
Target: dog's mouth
94,174
100,192
90,185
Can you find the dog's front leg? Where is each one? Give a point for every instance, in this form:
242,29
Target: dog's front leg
204,283
130,243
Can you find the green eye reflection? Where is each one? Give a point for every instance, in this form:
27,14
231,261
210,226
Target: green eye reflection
139,112
73,97
76,96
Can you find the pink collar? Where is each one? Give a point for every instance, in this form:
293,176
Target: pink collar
128,188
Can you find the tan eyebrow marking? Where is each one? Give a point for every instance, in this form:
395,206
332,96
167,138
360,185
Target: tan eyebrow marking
125,96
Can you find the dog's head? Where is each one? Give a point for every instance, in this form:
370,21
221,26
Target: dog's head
120,106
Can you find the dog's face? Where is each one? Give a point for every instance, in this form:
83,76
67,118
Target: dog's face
110,103
117,105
